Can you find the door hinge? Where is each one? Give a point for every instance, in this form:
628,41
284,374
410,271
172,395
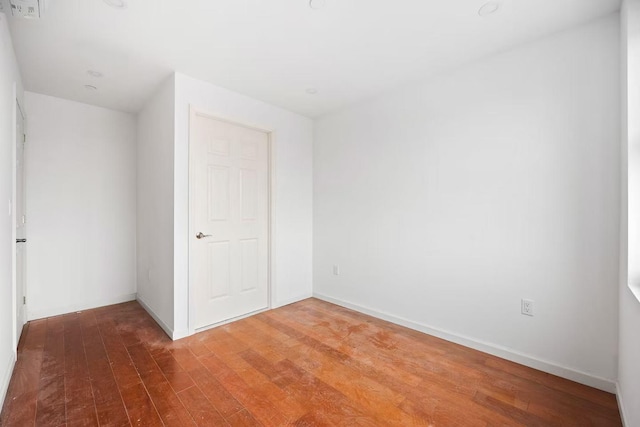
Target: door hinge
24,300
24,137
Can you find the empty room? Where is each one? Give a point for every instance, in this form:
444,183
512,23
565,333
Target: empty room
320,213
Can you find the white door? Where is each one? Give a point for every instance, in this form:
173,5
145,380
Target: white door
20,224
229,241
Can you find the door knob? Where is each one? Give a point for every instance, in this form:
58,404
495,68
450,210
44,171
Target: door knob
201,236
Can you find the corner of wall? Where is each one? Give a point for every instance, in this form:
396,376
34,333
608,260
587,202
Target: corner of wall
155,244
293,300
167,330
6,377
620,401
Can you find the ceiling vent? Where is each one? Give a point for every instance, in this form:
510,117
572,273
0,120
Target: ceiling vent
30,9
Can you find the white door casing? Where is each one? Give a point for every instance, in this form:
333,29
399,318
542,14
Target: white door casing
20,216
229,191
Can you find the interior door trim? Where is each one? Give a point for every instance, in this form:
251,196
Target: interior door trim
18,113
271,279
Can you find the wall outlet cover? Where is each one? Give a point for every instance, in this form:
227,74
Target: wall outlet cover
527,307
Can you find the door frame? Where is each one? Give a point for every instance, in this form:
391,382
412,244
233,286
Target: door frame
18,111
271,167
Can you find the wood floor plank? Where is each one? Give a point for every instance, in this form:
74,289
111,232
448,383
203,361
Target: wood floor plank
221,399
386,349
173,372
80,405
306,364
162,395
310,358
51,407
269,346
257,404
243,419
122,366
432,411
254,378
371,396
441,375
171,409
110,409
328,355
203,412
383,378
20,403
141,410
20,410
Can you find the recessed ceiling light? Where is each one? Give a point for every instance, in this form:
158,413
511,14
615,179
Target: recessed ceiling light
90,87
312,91
317,4
94,73
118,4
489,8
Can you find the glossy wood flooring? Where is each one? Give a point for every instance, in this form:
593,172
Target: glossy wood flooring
306,364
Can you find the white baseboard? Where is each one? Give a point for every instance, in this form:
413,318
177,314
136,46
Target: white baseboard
167,330
496,350
292,300
6,378
56,311
621,405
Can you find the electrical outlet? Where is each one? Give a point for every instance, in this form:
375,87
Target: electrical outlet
527,307
336,269
27,8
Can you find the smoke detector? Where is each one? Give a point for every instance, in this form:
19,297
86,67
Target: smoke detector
30,9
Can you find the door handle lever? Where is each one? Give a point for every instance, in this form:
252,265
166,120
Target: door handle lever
201,236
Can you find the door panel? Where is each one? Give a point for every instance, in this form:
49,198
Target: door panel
219,265
229,180
218,196
249,264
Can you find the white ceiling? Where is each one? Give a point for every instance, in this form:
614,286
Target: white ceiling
272,50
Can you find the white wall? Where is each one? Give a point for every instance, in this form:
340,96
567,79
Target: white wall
10,88
629,350
155,205
81,206
292,192
447,202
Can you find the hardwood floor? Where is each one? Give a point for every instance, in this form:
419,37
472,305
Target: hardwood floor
306,364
